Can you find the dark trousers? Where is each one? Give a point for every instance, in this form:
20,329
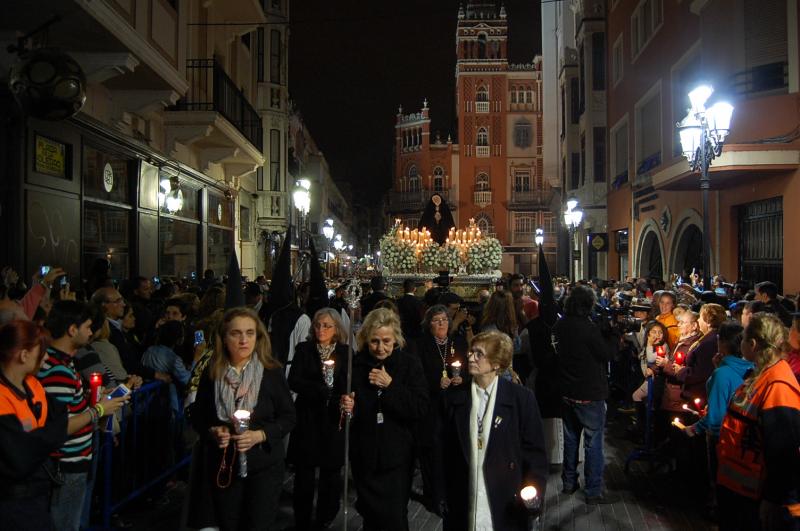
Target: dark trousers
250,503
328,494
383,496
736,512
27,514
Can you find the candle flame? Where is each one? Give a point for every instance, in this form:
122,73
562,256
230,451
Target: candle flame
456,363
329,363
241,414
528,493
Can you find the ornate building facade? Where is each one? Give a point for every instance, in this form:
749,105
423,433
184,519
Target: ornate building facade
494,174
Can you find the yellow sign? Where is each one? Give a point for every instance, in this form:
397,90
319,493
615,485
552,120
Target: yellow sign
51,157
599,241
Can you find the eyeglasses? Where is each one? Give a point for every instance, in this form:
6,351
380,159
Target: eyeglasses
477,354
443,320
323,326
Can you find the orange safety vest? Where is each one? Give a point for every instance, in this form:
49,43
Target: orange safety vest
740,450
30,410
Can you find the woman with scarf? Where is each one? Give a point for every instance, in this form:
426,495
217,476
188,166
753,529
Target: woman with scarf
437,354
241,375
389,397
317,442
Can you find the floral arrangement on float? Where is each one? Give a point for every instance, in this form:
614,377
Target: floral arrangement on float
466,251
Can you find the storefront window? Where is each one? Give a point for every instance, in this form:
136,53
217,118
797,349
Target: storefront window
106,235
219,210
106,175
177,245
177,196
220,247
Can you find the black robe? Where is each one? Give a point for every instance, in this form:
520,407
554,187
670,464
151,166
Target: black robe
316,440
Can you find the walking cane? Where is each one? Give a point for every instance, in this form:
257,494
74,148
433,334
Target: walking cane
353,297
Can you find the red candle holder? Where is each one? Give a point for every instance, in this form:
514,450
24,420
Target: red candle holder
95,386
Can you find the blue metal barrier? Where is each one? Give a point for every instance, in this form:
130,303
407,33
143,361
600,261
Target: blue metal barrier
144,453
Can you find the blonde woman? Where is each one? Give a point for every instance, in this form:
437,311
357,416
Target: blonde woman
389,396
241,375
758,474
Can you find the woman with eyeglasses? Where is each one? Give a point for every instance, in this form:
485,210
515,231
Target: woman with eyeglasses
389,397
317,442
492,443
437,354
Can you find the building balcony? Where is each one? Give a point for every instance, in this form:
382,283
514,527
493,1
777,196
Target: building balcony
482,106
482,151
271,206
530,199
115,43
216,118
249,10
406,201
482,198
523,238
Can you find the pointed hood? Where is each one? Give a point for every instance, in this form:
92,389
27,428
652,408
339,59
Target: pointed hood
234,296
548,308
281,291
318,296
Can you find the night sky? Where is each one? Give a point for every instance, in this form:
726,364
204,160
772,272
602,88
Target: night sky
353,62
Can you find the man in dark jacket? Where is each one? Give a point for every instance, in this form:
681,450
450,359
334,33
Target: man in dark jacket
378,285
583,353
410,308
767,292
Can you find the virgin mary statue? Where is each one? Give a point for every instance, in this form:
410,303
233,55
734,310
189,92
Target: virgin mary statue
437,218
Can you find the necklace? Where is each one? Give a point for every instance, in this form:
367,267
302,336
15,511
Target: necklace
441,346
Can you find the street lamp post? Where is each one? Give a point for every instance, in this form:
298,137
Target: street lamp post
572,219
703,133
338,244
327,231
538,240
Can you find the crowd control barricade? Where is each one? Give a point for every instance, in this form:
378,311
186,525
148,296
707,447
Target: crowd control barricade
140,451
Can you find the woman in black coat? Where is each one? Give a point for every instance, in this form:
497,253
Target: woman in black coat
317,441
492,443
389,397
437,355
241,375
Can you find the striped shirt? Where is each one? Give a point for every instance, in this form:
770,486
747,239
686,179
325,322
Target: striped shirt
62,383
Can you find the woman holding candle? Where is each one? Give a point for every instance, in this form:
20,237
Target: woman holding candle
723,383
689,335
242,375
317,442
388,398
492,443
758,476
699,364
437,354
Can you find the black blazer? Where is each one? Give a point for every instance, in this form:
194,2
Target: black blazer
274,413
515,455
316,440
388,445
583,353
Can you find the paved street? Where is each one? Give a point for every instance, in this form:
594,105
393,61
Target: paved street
651,501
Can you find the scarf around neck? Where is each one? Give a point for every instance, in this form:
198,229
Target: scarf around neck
238,390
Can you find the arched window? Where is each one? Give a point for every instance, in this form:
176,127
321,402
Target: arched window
482,46
438,179
483,137
413,179
513,94
482,94
482,183
484,223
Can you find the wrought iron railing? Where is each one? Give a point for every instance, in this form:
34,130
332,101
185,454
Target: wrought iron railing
210,89
531,198
762,78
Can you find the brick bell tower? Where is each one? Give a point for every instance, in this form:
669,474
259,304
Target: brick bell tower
481,87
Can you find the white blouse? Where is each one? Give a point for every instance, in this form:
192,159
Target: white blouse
480,514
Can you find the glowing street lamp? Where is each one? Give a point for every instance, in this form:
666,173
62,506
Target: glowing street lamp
702,133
